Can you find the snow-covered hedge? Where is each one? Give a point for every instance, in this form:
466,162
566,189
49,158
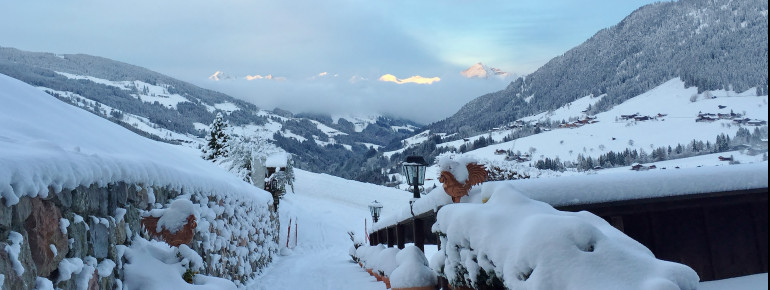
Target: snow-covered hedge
520,243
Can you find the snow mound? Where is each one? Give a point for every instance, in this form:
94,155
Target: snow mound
526,244
156,265
412,270
175,216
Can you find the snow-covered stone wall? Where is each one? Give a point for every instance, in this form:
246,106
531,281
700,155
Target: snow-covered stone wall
77,238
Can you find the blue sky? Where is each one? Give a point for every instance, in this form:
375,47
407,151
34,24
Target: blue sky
325,56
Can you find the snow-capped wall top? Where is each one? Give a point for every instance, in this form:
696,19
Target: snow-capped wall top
47,143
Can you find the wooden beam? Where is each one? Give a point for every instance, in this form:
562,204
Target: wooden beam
419,233
400,235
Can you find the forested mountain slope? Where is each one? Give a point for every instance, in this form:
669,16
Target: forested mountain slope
711,44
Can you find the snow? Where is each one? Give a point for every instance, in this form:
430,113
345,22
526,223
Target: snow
13,248
359,122
153,93
138,122
43,284
385,261
412,270
670,98
277,160
528,244
573,109
62,151
175,216
227,107
69,266
155,265
329,131
105,268
628,184
325,209
63,225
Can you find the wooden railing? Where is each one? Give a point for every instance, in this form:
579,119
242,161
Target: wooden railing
718,234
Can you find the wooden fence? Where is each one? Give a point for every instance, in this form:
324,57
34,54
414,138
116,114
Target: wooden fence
718,234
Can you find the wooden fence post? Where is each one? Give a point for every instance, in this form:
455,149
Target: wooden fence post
419,234
400,235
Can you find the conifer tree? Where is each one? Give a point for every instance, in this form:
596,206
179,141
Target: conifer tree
216,146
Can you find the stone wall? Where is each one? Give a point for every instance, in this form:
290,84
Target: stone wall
85,226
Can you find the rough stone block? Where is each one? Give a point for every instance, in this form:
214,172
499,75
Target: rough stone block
6,217
65,198
43,229
99,234
79,235
21,211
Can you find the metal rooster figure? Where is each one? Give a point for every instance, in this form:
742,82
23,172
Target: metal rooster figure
476,174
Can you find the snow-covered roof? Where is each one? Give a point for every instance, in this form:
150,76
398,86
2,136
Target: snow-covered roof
277,160
47,143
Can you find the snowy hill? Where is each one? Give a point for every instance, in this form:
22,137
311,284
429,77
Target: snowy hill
673,112
708,44
162,108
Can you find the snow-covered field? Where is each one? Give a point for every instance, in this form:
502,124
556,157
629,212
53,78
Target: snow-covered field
325,208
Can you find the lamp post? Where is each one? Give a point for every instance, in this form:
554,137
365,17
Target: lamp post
414,170
375,208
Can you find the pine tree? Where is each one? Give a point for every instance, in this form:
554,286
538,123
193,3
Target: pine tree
216,146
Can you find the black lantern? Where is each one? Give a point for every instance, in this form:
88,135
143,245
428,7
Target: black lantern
375,208
414,170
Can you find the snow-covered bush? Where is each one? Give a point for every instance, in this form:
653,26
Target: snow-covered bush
366,254
385,261
527,244
412,270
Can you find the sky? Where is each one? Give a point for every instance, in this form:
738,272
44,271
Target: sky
397,57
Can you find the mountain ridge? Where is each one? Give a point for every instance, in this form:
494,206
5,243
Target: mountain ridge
709,44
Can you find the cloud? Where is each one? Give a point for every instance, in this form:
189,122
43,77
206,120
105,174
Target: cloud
413,79
357,94
267,77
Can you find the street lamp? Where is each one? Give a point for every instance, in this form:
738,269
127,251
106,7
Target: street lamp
414,170
375,208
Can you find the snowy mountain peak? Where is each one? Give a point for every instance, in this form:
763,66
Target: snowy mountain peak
479,70
218,75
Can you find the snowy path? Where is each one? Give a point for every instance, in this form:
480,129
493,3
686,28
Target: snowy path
326,208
